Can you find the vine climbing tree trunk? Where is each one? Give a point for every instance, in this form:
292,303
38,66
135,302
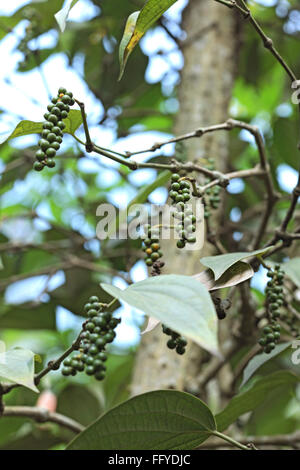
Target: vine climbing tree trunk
210,56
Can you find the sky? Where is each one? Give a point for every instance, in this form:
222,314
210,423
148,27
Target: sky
18,101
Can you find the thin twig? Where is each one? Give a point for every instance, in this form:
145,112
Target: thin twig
41,415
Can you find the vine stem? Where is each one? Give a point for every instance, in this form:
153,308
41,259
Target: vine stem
231,440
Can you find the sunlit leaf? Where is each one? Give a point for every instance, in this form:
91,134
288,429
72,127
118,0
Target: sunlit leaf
17,366
137,25
73,121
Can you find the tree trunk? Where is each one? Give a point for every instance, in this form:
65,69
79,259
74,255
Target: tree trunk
204,94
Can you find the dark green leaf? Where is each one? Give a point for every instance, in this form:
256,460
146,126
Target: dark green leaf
157,420
252,396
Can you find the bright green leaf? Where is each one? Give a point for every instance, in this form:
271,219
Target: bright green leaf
220,263
73,121
124,50
180,302
252,396
157,420
17,366
137,25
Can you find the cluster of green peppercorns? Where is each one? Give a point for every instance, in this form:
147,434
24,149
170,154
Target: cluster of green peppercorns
97,332
53,127
151,245
274,292
180,190
176,342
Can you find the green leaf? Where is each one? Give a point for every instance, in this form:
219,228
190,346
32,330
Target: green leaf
236,274
292,270
1,264
62,15
23,128
252,396
261,359
220,263
157,420
124,50
137,25
17,366
180,302
7,23
73,121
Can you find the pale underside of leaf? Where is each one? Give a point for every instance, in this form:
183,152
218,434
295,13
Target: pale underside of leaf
17,366
236,274
62,15
180,302
220,263
150,325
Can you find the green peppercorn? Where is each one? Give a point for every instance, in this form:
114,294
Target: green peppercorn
50,162
37,166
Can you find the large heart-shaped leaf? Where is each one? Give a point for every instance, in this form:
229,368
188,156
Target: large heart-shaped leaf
220,263
162,419
261,359
17,366
72,122
252,396
180,302
137,25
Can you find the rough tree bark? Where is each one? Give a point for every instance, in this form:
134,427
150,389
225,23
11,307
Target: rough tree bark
204,94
